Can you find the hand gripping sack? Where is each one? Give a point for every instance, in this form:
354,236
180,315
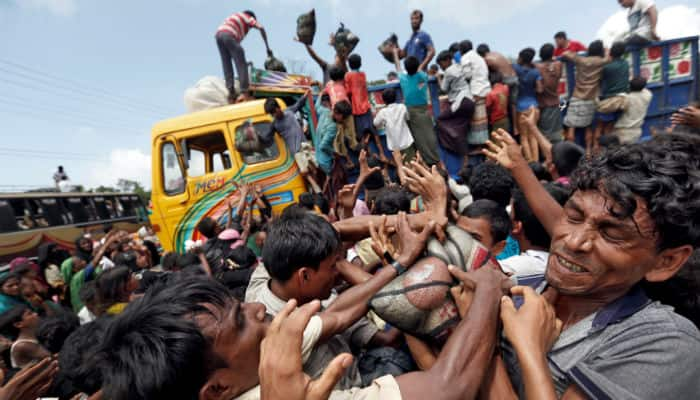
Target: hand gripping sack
387,47
345,41
274,64
418,302
306,27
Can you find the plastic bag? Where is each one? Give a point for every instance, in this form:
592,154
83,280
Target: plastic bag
208,92
387,47
274,64
306,27
345,41
247,140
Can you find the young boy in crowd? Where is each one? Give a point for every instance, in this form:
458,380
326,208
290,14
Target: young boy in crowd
614,84
548,100
356,86
326,132
629,126
497,103
582,105
565,159
338,93
393,119
488,223
342,115
414,86
530,84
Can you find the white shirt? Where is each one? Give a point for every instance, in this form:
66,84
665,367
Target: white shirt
393,119
477,73
455,84
629,126
531,262
638,18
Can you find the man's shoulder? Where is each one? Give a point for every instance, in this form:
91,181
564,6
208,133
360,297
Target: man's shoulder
658,319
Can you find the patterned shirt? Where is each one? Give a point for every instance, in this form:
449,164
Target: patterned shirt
238,25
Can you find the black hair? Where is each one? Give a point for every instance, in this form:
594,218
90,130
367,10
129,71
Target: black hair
179,358
391,200
495,77
444,55
496,215
526,55
532,228
306,200
322,203
185,260
596,48
7,277
88,293
540,171
617,50
9,318
111,286
127,258
336,73
389,96
546,52
434,67
343,108
270,106
637,84
465,46
661,172
560,35
609,140
566,156
250,13
77,371
483,49
418,12
53,331
169,260
392,74
491,181
376,179
454,48
325,97
298,239
411,63
355,61
208,226
239,268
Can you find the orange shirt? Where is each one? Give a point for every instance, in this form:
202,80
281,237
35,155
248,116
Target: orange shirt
497,102
356,86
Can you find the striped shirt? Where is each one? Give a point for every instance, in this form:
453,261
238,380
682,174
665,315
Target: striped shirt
238,25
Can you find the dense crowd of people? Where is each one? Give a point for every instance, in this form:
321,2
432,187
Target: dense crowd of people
588,289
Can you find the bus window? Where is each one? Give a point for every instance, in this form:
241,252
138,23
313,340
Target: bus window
89,208
196,165
127,207
52,212
101,208
23,214
77,209
254,157
8,223
173,181
221,161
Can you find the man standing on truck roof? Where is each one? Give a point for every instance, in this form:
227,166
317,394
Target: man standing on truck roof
642,17
228,38
419,45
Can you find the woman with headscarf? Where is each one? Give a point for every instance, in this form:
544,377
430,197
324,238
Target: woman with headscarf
10,292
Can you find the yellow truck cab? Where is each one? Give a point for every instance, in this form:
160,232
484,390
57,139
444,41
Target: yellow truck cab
197,168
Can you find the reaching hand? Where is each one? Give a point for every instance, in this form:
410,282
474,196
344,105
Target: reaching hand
280,370
534,326
346,200
365,170
381,242
687,116
31,382
410,243
431,186
507,152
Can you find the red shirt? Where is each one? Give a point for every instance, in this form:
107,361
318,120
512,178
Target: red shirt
497,102
573,46
238,25
336,91
356,86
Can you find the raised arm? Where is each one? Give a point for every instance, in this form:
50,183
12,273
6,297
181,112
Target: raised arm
397,62
542,141
509,155
321,62
300,103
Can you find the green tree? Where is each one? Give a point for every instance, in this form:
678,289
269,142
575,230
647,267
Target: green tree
127,185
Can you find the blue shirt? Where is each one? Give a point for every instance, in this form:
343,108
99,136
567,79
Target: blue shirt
325,133
527,94
414,88
457,57
417,45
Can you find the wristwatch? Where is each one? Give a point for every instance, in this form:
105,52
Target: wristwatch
400,269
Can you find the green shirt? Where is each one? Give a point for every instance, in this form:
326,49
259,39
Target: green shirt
615,79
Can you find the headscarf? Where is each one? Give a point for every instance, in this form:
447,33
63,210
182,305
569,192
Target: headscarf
233,236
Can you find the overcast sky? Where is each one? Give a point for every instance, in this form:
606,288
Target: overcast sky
83,81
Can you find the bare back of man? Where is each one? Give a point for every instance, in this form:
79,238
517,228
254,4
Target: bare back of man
499,62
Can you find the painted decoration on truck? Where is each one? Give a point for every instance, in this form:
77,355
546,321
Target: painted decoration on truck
679,64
